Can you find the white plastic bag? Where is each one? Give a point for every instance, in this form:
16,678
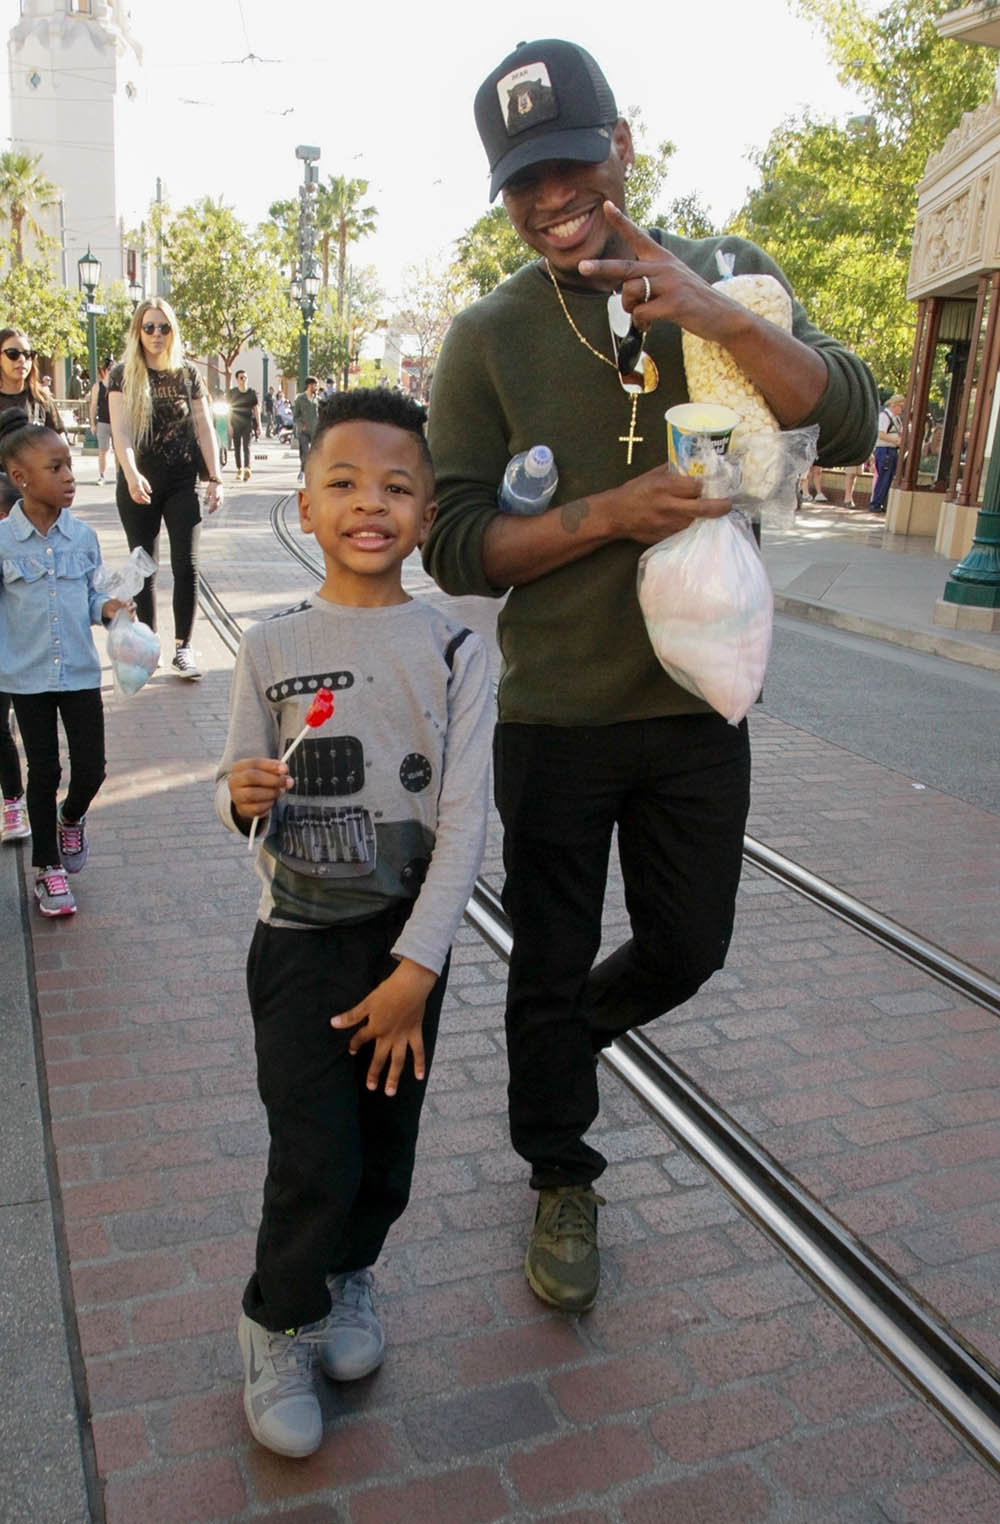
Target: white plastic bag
708,607
133,648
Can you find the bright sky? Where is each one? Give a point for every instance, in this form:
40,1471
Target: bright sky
385,90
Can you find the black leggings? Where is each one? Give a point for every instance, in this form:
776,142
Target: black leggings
241,443
10,762
38,716
174,503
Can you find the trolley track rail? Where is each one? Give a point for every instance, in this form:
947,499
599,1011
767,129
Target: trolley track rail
920,1344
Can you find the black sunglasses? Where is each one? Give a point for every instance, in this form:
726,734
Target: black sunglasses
156,328
627,337
19,354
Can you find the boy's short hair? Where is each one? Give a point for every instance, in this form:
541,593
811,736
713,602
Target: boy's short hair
376,404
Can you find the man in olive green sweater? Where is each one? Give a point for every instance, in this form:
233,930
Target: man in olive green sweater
593,734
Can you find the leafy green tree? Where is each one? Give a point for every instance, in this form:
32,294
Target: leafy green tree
342,220
281,234
112,326
228,289
21,189
430,298
649,170
490,250
835,205
687,216
47,312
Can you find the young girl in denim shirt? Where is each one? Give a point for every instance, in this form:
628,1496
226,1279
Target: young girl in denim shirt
48,661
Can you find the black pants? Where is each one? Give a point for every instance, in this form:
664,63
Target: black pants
10,763
241,442
38,715
341,1156
174,503
678,791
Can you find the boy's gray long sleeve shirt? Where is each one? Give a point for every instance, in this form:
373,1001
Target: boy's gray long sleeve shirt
390,793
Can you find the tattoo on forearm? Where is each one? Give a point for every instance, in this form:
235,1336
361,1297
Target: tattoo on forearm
572,515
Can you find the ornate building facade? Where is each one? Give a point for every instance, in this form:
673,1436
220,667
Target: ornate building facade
954,279
77,99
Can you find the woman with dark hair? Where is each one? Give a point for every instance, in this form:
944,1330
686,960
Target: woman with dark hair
20,384
162,430
100,417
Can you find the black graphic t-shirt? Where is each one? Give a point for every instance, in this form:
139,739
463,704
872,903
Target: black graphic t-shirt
36,412
173,442
241,405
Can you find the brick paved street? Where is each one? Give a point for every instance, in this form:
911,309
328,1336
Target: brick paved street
710,1383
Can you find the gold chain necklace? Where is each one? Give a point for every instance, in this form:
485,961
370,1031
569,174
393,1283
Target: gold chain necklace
631,438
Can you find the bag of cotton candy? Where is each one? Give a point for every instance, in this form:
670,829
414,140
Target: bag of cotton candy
708,606
133,648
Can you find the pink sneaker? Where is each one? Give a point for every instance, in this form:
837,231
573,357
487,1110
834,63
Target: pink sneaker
72,840
53,893
15,820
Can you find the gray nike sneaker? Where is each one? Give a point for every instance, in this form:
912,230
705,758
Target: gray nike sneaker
350,1337
278,1396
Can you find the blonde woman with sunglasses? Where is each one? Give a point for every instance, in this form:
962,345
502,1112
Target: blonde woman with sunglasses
20,384
162,430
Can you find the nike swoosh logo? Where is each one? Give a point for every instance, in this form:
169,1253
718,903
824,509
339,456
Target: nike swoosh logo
256,1371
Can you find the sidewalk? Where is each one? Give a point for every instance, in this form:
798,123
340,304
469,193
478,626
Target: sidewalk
840,566
710,1383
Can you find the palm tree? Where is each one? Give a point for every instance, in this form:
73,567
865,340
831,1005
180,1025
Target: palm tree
22,187
339,215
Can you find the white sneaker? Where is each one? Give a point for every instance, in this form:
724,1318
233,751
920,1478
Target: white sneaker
100,481
278,1396
821,497
350,1337
15,820
184,663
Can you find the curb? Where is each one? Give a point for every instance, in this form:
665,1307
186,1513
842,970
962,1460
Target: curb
898,635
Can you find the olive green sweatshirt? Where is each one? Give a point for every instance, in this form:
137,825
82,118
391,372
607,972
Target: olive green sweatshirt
512,374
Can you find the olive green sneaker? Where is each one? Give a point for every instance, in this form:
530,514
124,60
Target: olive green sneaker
562,1264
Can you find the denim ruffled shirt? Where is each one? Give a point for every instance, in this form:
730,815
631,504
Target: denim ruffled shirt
48,602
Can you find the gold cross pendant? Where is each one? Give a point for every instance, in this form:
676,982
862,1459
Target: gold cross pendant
631,438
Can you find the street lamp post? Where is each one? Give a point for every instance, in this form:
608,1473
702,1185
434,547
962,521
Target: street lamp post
305,286
135,292
975,582
89,269
303,291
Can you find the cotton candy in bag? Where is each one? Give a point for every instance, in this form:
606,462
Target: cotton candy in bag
708,607
133,648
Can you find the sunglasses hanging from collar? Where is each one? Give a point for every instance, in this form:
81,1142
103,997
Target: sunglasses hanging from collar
636,371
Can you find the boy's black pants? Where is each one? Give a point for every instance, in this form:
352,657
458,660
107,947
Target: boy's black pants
341,1156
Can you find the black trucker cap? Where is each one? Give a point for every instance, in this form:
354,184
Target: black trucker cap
547,100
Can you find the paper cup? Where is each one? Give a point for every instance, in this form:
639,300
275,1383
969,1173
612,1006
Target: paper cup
689,424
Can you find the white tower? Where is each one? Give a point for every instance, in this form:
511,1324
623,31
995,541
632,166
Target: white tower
76,98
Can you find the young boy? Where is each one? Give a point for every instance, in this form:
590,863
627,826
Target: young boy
372,834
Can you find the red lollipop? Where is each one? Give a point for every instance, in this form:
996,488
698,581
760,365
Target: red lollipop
317,714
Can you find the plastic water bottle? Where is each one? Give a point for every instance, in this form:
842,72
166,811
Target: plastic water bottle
529,481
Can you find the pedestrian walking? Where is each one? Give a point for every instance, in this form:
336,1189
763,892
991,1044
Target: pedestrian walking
163,432
100,417
244,422
593,734
48,661
269,412
373,834
304,417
